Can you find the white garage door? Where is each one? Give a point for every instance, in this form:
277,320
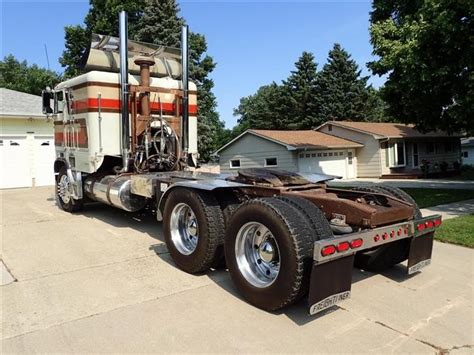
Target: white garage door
331,162
14,162
25,160
44,161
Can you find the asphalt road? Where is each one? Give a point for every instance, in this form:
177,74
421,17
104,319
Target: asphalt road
102,281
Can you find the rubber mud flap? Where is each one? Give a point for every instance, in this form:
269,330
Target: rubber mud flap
420,252
330,283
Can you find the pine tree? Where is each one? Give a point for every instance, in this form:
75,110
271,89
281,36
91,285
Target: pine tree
301,95
343,93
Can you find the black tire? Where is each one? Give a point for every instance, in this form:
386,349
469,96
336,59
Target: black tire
70,205
295,245
229,204
211,229
313,215
388,255
402,195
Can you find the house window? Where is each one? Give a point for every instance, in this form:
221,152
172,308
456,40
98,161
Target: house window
301,155
325,154
313,155
271,162
465,154
308,155
1,142
234,163
396,154
415,155
330,154
330,127
349,158
319,154
430,148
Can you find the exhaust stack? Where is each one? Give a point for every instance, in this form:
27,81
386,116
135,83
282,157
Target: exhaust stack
185,79
125,119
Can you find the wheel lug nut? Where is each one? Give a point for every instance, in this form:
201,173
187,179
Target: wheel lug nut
259,261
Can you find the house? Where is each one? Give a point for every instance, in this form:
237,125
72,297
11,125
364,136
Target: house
300,151
27,149
397,150
467,151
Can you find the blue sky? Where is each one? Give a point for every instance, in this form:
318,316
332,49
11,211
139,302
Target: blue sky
253,42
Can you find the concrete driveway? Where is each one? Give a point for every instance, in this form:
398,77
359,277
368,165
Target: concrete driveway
102,281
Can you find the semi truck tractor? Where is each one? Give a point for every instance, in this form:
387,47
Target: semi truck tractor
126,136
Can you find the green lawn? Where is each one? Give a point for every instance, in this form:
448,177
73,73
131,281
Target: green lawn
433,197
458,230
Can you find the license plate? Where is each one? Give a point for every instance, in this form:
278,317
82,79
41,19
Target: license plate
419,266
329,302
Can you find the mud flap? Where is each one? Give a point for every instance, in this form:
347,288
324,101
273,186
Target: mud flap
420,252
330,283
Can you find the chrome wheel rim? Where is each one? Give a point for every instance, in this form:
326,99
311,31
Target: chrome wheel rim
257,254
64,189
184,229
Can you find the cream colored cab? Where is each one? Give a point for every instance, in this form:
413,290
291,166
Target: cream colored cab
87,126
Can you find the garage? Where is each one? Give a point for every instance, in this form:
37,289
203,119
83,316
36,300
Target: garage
27,150
339,162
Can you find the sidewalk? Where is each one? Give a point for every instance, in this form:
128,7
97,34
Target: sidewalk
451,210
415,183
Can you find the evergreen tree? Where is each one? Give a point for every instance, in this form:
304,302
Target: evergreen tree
20,76
343,93
300,94
156,22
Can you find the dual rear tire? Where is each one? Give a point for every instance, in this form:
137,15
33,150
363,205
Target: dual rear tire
268,242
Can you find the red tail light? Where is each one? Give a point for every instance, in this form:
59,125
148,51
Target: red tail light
376,238
356,243
429,224
421,227
328,250
343,246
399,232
385,236
392,234
437,222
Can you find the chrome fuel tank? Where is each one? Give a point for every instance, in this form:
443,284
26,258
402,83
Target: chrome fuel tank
114,191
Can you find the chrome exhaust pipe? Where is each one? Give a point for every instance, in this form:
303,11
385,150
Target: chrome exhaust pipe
125,118
185,79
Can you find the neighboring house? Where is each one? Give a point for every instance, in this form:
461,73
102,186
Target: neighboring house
397,150
467,151
26,141
304,151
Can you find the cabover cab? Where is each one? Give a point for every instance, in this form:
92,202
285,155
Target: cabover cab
87,126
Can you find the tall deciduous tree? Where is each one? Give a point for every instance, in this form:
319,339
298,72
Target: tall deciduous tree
426,47
20,76
157,22
342,92
263,110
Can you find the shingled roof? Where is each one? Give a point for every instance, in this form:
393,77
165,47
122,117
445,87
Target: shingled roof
305,139
388,130
19,104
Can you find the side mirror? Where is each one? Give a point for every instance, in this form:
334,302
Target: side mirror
47,95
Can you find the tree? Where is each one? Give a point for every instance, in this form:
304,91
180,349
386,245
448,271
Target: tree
343,93
426,48
102,18
156,22
301,94
263,110
20,76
